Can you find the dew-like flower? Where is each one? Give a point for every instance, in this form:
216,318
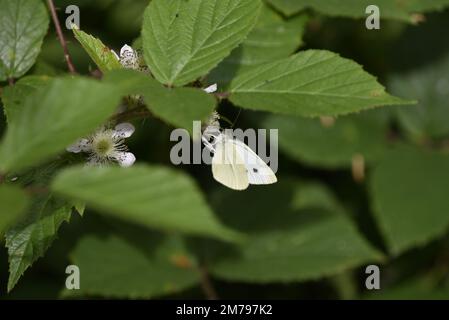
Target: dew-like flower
107,145
128,58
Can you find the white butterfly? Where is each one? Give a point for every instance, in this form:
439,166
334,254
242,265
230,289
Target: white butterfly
234,164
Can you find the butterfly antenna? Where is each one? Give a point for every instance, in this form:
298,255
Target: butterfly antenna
238,115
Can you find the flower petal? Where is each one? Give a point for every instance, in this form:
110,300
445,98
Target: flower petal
126,50
125,159
124,130
82,145
211,89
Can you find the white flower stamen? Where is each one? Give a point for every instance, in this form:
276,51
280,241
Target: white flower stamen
107,145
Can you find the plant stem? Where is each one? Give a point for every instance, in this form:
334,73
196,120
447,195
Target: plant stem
11,81
206,284
61,38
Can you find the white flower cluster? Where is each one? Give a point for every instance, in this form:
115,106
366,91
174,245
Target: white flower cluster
107,145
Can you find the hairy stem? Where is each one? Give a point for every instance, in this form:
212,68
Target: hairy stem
61,38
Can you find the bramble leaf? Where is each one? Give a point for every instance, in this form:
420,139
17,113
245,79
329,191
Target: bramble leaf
53,118
183,41
271,39
311,83
29,240
177,106
151,196
103,57
23,25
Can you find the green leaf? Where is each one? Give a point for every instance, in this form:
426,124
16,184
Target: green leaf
184,40
154,197
67,109
14,96
13,202
335,145
310,83
153,267
30,239
177,106
401,10
271,39
410,191
79,207
422,288
103,57
430,86
290,239
23,25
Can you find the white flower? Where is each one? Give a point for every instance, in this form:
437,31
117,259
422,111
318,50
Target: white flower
128,57
107,145
211,89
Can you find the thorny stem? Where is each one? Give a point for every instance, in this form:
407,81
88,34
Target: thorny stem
206,284
61,38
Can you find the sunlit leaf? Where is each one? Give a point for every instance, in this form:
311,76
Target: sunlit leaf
311,83
271,39
103,57
184,40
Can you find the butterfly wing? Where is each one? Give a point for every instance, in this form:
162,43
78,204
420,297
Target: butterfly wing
227,166
258,171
